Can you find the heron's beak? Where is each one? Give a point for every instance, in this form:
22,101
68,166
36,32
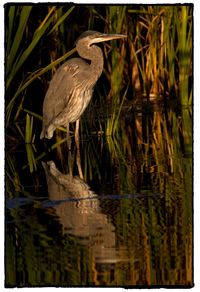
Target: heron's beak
108,37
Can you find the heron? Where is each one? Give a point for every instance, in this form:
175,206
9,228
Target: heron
71,87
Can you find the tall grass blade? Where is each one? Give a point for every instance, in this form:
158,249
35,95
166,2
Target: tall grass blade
9,29
32,114
185,46
29,138
24,15
21,59
29,128
20,131
62,18
31,158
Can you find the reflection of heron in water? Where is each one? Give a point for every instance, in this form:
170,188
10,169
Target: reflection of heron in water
71,88
80,214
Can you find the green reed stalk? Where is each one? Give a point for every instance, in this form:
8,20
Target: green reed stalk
187,128
61,18
18,60
31,158
29,139
112,121
13,49
29,129
169,45
184,27
116,17
13,184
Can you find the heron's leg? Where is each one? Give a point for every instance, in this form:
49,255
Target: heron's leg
77,134
78,162
69,152
70,163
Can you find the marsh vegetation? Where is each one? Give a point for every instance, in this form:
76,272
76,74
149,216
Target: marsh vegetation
136,149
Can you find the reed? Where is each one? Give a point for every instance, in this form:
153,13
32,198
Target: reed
29,141
163,49
12,177
116,19
184,29
113,117
91,165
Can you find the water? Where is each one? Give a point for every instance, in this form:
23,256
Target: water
128,223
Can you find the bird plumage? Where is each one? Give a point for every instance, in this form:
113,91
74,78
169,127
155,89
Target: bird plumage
67,96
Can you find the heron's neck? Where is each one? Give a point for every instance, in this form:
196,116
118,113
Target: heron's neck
95,55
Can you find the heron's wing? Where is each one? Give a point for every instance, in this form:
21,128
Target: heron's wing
60,89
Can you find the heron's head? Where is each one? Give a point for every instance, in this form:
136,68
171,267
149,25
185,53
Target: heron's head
91,37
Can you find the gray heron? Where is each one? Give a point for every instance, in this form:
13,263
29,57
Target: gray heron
71,87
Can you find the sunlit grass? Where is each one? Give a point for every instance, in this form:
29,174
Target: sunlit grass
163,49
114,116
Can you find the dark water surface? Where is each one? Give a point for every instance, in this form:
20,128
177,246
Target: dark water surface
127,223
